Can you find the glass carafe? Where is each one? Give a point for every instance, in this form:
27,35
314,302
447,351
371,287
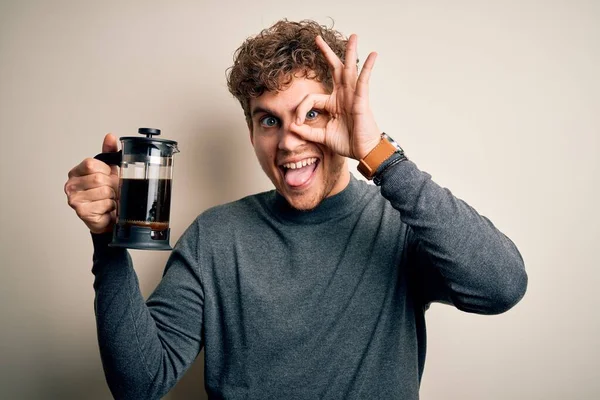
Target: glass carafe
144,196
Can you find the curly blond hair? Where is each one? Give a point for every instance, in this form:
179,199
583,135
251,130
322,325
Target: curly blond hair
270,60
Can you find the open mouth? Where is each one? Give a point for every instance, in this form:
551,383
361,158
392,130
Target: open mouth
298,174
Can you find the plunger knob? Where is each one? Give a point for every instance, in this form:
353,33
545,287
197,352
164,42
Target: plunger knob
149,132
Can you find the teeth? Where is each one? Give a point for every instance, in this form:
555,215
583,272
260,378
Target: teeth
300,164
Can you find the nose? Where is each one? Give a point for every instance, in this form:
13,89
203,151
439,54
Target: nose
290,140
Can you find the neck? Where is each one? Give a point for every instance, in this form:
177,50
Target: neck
334,206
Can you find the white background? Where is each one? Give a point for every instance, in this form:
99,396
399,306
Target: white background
498,100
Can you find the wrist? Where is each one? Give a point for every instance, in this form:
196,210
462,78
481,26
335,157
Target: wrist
373,162
395,159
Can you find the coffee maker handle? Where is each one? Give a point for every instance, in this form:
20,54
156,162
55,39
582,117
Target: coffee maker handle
113,158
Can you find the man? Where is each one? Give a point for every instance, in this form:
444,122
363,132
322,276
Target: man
317,289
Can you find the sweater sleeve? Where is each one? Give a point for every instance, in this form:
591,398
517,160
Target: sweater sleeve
458,256
147,346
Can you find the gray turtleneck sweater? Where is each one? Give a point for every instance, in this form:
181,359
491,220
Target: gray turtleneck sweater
326,304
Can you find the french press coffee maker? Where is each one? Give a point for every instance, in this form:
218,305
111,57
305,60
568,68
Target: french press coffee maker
144,197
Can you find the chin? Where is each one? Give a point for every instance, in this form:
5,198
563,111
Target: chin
304,201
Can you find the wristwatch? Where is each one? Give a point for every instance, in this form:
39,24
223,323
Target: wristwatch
386,152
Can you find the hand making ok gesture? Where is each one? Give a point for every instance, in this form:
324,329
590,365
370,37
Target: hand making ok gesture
351,130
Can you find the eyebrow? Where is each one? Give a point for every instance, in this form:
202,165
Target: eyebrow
259,110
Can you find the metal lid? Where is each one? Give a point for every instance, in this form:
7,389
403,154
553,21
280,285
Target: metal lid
149,132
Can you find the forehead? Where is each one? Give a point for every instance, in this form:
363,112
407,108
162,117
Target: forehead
289,98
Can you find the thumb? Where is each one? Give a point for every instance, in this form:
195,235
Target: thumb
110,143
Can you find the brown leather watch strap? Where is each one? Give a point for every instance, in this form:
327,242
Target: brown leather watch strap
369,164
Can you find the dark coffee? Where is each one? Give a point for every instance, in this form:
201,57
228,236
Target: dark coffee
145,203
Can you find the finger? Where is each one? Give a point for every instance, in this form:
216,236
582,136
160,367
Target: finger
309,133
110,143
362,86
92,212
350,70
82,183
90,166
91,195
98,216
332,59
103,223
318,101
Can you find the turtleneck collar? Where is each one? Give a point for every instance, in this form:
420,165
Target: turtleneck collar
330,208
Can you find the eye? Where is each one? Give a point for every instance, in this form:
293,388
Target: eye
312,115
268,121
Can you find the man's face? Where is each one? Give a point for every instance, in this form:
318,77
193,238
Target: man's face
303,172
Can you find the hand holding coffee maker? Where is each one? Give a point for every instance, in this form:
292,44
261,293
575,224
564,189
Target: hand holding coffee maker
133,200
